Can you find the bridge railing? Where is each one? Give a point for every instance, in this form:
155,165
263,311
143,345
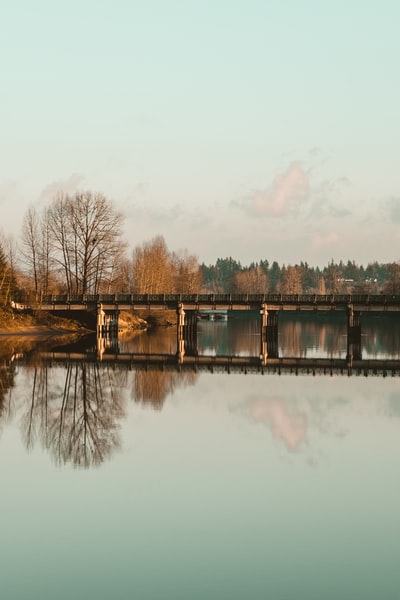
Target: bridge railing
171,299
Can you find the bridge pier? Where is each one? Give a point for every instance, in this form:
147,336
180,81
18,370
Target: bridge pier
180,339
353,334
190,332
186,332
106,322
269,333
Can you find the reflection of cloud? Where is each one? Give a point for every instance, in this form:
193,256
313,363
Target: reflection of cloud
330,239
288,188
67,186
286,425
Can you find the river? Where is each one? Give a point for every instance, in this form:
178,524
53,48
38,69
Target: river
123,481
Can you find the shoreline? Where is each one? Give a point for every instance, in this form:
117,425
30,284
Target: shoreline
40,331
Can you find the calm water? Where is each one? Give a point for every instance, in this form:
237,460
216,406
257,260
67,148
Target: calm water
134,483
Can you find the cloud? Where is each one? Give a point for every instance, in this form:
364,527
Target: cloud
326,197
286,190
330,239
393,207
68,186
8,191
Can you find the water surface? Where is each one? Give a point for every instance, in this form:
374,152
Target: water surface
120,483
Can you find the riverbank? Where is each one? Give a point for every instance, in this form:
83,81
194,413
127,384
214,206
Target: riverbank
15,323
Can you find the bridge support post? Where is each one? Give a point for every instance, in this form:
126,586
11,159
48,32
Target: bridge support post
190,332
353,334
180,339
264,346
269,333
100,321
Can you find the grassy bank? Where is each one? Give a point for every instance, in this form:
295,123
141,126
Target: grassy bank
13,322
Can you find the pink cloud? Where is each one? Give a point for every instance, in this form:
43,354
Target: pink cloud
288,188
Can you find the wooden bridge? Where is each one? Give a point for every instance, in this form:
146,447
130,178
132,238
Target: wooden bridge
106,308
304,302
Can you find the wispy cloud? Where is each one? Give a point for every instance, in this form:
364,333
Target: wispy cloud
7,192
287,190
327,198
393,210
68,186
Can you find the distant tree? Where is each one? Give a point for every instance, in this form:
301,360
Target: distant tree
333,278
274,276
321,286
152,268
392,283
250,281
291,282
187,273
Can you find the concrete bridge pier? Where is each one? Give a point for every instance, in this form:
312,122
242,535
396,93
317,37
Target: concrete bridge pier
353,334
106,322
180,335
186,332
190,332
269,332
100,321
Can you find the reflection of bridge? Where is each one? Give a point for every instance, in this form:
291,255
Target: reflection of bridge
188,307
232,364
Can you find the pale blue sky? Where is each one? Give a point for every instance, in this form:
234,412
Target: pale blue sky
245,128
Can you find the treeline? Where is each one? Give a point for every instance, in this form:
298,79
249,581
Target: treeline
75,245
229,276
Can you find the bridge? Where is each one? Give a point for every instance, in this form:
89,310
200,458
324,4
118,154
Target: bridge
188,307
305,302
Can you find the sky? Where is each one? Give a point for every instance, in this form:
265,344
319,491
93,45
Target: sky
256,129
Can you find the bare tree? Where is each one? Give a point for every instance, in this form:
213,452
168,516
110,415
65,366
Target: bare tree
153,271
86,232
186,273
30,246
8,270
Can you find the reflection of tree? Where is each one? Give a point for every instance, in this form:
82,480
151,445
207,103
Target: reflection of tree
296,337
7,372
10,348
152,387
75,421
